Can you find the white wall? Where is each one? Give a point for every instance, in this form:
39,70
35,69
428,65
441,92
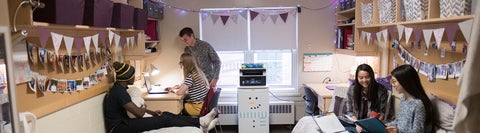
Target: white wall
83,117
315,31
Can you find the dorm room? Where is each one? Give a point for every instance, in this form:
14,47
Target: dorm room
282,63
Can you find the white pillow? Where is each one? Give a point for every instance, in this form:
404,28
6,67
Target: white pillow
136,95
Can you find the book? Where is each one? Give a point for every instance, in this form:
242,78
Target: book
328,124
372,125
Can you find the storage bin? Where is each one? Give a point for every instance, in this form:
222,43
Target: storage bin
140,19
122,16
416,9
66,12
367,13
98,13
154,9
387,11
452,8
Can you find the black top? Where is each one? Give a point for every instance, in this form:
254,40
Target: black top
113,103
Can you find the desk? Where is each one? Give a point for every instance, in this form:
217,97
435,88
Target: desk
164,102
324,94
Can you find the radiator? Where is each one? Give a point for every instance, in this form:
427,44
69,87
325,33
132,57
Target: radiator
281,112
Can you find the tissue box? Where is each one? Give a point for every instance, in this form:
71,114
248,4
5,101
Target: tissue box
451,8
416,9
387,11
367,13
66,12
140,19
122,16
98,13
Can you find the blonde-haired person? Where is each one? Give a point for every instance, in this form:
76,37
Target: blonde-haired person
195,84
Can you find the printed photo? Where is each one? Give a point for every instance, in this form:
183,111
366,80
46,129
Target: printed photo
442,71
52,59
74,62
62,85
423,68
92,58
52,85
451,71
66,63
60,64
432,75
71,86
86,82
81,62
79,84
93,79
458,68
42,55
87,61
32,84
30,52
41,83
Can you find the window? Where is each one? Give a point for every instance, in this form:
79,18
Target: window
253,35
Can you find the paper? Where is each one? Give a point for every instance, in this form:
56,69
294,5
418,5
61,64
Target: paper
314,62
329,124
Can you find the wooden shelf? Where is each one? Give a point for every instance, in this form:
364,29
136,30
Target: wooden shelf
345,51
74,31
345,25
348,11
422,22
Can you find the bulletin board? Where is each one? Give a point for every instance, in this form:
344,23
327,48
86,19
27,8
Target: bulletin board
316,62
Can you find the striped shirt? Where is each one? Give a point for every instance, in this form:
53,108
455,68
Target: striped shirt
197,88
206,57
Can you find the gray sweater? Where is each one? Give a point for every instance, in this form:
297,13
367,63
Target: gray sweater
206,57
411,117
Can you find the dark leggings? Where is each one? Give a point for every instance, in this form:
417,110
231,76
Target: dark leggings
167,119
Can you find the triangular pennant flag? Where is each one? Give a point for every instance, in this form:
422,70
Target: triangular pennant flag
385,35
363,35
253,15
43,34
438,34
263,17
417,33
369,36
68,44
274,18
379,36
408,33
128,42
204,16
293,12
243,13
466,28
101,36
95,41
78,42
117,40
427,35
234,18
87,41
214,18
391,30
284,17
451,30
132,41
224,19
374,37
57,41
400,31
110,37
122,41
135,38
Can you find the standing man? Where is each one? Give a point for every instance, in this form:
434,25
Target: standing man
206,56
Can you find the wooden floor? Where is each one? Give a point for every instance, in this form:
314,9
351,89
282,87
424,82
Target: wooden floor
273,129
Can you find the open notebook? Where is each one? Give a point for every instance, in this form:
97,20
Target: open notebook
153,89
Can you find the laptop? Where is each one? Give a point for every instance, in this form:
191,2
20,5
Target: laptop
153,89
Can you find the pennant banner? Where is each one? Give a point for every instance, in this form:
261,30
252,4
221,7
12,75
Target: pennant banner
438,34
95,41
417,33
57,41
392,32
101,35
427,35
274,18
224,19
78,42
451,30
408,33
466,28
234,18
385,35
122,41
68,44
243,14
379,36
284,17
264,17
110,38
400,31
369,36
87,41
43,35
253,15
116,39
214,18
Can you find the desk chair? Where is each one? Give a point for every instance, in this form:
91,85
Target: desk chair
311,101
211,101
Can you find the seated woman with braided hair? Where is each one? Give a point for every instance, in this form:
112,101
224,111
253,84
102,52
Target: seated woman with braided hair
117,102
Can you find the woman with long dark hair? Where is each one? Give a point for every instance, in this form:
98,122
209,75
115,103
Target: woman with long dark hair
366,97
416,112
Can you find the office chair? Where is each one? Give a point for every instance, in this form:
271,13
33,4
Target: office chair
311,101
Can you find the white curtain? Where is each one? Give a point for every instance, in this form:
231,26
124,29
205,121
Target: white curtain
231,36
269,35
467,113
